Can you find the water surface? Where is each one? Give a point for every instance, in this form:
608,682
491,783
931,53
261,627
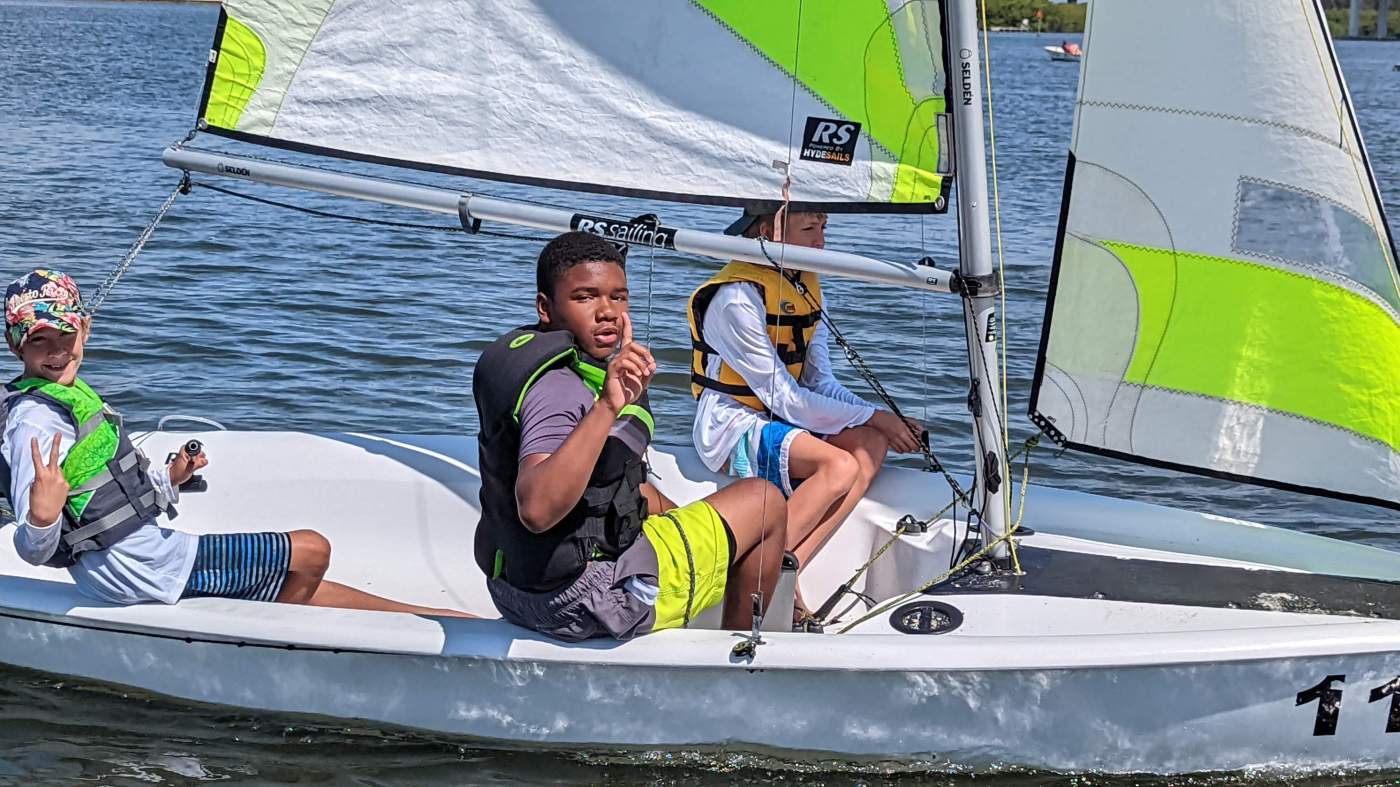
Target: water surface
268,319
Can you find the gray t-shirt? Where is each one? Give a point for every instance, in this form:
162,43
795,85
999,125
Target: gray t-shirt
553,407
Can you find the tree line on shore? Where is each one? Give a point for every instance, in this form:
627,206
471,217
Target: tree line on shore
1069,17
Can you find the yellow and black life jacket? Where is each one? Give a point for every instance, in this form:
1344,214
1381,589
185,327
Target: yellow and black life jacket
791,318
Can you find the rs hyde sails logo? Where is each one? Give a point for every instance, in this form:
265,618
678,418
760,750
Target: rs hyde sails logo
832,141
629,232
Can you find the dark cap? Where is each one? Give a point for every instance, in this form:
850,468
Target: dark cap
742,224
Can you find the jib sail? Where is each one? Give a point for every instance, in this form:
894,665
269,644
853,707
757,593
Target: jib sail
1224,298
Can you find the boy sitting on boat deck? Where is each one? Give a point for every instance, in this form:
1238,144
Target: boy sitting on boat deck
769,404
576,542
86,499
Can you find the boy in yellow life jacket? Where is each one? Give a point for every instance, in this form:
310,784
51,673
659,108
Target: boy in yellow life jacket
769,404
86,499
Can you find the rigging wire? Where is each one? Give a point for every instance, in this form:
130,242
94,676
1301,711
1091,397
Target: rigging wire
1001,267
866,374
983,551
779,227
109,283
909,524
651,274
923,320
325,214
376,176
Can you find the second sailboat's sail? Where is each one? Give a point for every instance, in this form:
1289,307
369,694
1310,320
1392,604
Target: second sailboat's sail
1225,296
675,99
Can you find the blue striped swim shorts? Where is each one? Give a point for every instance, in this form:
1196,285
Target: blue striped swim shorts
764,452
249,566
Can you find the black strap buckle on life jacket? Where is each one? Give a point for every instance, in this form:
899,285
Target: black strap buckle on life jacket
615,512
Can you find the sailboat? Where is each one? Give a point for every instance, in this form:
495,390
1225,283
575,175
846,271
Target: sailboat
1224,301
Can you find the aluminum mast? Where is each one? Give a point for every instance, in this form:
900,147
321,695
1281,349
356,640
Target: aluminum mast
981,284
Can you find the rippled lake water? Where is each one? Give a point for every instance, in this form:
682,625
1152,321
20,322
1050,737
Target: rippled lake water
266,319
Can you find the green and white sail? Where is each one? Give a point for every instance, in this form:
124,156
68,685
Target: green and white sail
1225,297
673,99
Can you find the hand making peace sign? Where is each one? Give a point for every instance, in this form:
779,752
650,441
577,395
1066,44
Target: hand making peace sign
49,492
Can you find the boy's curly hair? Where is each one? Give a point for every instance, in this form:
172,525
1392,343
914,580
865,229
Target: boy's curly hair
568,250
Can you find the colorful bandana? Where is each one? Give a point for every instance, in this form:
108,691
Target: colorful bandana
43,298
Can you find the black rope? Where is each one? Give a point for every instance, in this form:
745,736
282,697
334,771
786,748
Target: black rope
866,374
325,214
690,559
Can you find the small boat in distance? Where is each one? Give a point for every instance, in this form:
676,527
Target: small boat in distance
1067,51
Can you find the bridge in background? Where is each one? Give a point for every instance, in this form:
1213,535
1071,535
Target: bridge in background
1354,19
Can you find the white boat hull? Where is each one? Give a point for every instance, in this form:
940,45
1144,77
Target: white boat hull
1059,54
1029,679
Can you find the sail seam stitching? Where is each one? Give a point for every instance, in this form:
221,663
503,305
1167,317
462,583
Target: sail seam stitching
1301,190
1217,116
805,88
898,57
1336,280
1346,282
1198,255
1267,410
1284,272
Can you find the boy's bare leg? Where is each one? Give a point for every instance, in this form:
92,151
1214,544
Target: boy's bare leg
311,556
656,501
756,514
835,475
334,594
305,582
869,447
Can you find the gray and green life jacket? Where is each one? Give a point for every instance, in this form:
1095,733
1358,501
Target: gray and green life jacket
606,520
110,494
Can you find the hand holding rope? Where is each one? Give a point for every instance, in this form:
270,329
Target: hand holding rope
866,374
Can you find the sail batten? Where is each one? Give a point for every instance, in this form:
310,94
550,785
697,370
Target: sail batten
703,101
1224,298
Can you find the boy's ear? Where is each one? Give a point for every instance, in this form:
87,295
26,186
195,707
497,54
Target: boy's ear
542,307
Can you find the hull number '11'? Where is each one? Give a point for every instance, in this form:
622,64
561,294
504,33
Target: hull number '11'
1329,703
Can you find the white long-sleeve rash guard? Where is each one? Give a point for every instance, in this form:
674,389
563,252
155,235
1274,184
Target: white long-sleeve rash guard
151,564
735,326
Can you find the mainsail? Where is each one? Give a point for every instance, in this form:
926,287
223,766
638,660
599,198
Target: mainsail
1225,298
679,100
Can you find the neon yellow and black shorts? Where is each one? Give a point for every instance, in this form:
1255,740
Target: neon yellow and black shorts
674,571
692,561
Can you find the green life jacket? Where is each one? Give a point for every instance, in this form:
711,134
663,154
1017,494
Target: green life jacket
110,494
604,522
